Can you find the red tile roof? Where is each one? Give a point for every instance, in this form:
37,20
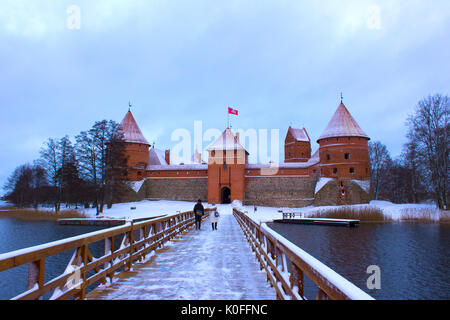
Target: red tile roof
299,134
342,124
131,131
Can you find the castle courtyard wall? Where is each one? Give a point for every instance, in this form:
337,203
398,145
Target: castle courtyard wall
278,191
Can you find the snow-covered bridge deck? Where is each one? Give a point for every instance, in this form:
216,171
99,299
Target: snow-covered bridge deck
201,265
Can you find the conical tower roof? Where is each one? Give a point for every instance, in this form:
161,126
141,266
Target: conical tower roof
227,141
131,131
342,124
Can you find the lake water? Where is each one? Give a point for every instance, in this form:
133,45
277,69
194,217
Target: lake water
18,234
414,258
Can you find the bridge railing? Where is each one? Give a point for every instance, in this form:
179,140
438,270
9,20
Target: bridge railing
138,240
286,266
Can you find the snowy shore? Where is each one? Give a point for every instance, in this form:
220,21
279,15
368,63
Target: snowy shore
148,208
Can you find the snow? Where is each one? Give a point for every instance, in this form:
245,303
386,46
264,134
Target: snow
136,185
364,184
227,141
144,209
4,204
195,166
389,209
321,183
342,124
157,157
131,131
201,265
337,280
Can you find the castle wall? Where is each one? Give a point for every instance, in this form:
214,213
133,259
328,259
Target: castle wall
184,189
280,191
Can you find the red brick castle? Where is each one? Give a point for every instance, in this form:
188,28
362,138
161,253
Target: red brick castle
337,173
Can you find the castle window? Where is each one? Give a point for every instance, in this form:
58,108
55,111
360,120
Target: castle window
347,156
328,157
335,170
139,173
352,170
187,172
213,153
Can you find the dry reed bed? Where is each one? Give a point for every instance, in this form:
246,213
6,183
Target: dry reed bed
424,215
369,213
359,213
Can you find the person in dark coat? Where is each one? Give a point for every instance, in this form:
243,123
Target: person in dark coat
199,211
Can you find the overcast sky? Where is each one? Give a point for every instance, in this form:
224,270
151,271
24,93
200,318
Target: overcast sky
278,62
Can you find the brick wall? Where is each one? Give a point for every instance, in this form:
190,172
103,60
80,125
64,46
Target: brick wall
175,189
331,194
280,191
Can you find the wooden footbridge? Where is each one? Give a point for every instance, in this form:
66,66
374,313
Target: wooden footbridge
166,258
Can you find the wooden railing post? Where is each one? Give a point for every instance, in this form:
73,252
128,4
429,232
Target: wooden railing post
131,242
296,279
36,271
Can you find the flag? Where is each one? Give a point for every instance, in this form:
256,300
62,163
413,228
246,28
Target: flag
232,111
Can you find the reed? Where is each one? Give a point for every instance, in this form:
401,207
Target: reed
423,215
39,215
366,213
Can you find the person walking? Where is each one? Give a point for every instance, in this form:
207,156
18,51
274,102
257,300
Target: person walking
199,211
214,218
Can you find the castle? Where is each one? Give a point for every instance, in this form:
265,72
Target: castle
337,173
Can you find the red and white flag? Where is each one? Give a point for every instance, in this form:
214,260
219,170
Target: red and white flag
232,111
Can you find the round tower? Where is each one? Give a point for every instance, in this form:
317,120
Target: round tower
343,148
136,149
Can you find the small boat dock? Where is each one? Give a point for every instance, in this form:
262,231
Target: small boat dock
298,218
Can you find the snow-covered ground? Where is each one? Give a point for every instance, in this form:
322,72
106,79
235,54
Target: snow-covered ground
143,209
389,209
147,208
4,204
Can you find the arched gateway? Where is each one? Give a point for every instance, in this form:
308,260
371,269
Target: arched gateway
225,195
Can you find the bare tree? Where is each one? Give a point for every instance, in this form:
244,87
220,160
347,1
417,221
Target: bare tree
429,128
87,156
99,152
24,185
49,156
379,159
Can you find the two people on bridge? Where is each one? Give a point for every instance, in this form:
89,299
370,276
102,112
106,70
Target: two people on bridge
199,211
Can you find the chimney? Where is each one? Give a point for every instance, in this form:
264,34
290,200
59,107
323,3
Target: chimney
168,156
